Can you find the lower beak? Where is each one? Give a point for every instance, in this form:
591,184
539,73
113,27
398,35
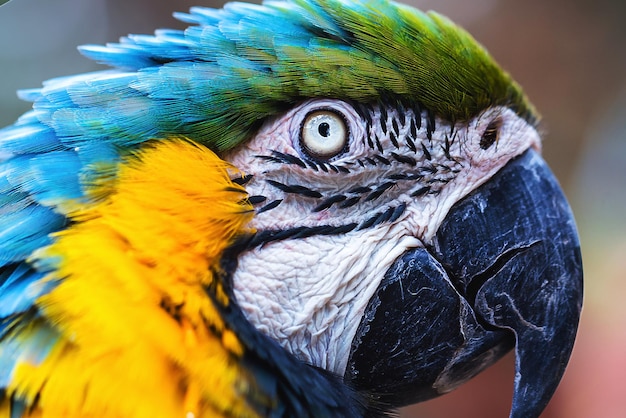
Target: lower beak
503,270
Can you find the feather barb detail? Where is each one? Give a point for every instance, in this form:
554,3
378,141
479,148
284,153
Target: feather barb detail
138,334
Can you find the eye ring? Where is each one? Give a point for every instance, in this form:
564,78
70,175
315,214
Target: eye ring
324,134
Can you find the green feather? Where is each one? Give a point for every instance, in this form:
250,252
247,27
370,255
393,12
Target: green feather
237,66
362,52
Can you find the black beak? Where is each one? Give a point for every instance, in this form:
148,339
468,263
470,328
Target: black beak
504,270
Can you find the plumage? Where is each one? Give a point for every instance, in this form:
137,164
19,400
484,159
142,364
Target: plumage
101,262
208,227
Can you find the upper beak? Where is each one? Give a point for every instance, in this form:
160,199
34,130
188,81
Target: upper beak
504,269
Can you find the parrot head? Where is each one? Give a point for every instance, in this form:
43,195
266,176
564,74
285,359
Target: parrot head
344,204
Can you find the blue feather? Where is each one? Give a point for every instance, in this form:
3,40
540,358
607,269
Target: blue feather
25,230
41,340
124,57
28,139
50,179
20,286
202,83
140,51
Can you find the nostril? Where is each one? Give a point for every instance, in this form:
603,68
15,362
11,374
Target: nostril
491,134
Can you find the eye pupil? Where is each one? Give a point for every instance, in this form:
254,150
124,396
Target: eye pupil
324,129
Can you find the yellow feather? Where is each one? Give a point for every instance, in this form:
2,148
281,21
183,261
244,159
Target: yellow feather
139,335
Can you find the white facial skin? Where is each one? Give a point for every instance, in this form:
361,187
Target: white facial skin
388,188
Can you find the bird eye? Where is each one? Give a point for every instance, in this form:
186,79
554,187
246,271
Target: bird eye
324,134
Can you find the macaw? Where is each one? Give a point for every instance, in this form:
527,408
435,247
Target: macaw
305,208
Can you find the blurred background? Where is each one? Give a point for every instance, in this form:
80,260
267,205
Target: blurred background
569,55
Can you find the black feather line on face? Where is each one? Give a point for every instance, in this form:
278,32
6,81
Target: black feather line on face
256,199
382,159
426,152
430,125
378,145
283,158
312,165
401,114
328,202
263,237
295,189
383,117
410,143
360,189
269,206
421,191
393,138
242,180
396,128
370,161
350,202
404,159
289,159
370,143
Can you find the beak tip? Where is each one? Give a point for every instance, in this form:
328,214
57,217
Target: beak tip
541,359
532,284
540,302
